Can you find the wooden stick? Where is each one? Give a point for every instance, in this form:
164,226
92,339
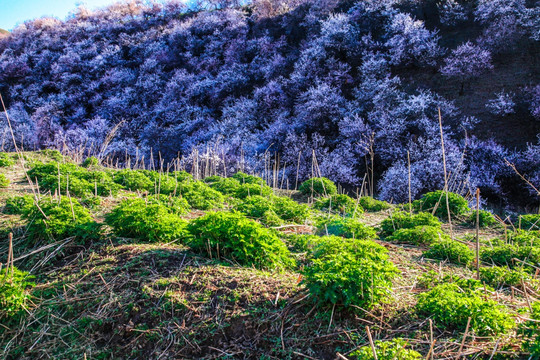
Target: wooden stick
464,337
371,343
478,234
445,175
409,166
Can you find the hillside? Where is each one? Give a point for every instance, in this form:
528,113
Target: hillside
354,86
146,264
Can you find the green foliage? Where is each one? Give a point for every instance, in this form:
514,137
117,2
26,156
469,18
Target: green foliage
450,250
498,276
403,220
14,295
531,330
340,204
273,210
437,200
226,186
233,236
4,181
249,189
486,218
346,227
318,187
349,272
418,235
201,196
90,162
244,178
63,218
152,220
289,210
450,305
432,278
394,349
18,205
80,181
53,154
302,242
134,180
6,160
504,255
373,205
530,222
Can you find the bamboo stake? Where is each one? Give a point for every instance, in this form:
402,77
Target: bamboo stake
445,175
371,343
478,234
464,337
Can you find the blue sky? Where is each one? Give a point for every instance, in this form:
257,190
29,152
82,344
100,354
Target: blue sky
13,12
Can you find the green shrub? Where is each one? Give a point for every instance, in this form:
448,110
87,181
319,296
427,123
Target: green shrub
373,205
504,255
226,186
340,204
450,250
403,220
152,221
18,205
289,210
14,294
233,236
53,154
450,305
394,349
349,272
486,218
437,199
432,278
249,189
273,210
302,242
90,162
255,206
531,330
64,218
82,182
163,183
201,196
524,238
418,235
498,276
244,178
4,181
6,160
318,187
133,180
346,227
530,222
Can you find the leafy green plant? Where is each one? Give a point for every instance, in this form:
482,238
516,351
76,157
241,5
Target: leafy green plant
339,204
244,178
302,242
18,205
226,186
346,227
201,196
249,189
59,219
349,272
418,235
498,276
150,221
373,205
403,220
531,330
436,202
289,210
6,160
432,278
450,250
451,304
486,219
4,181
232,236
511,255
530,222
14,294
320,186
394,349
133,180
90,161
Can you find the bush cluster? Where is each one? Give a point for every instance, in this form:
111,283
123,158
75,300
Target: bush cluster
451,304
346,227
373,205
530,222
394,349
486,219
318,187
90,161
339,204
349,272
403,220
18,205
498,276
6,160
201,196
435,202
4,181
451,251
531,329
14,294
57,219
418,235
232,236
273,210
153,220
